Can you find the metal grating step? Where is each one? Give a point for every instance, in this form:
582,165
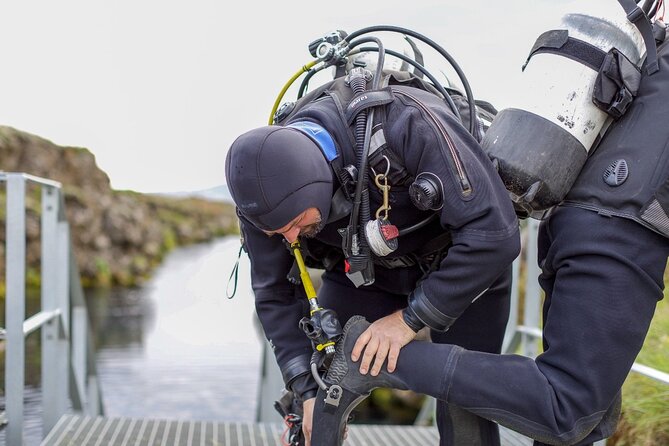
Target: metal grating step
88,431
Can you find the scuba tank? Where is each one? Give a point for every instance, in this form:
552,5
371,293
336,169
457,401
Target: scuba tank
579,78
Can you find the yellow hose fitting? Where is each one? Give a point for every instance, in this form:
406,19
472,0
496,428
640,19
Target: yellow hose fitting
320,347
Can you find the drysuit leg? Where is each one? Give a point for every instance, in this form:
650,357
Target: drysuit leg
481,328
602,277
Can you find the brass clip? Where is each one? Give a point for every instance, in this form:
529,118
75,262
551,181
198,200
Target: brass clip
385,190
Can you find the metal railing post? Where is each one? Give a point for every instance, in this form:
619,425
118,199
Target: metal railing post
512,323
87,396
54,346
48,290
15,307
79,347
532,305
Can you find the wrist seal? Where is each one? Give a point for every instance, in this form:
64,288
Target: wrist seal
427,313
412,320
304,386
295,367
298,379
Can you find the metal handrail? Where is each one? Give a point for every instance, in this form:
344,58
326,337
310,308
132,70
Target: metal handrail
66,348
651,373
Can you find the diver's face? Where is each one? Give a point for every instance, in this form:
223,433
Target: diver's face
305,224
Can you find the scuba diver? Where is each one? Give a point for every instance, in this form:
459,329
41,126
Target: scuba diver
602,250
378,178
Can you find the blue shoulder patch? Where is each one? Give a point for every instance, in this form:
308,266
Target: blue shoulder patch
318,134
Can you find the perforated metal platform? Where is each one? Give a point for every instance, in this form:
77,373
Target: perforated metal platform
86,431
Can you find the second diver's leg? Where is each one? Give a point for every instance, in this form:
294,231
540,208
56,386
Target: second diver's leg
481,327
603,277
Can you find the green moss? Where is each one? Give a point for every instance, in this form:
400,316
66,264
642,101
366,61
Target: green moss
128,192
383,397
390,406
33,277
125,278
103,276
3,204
140,263
169,240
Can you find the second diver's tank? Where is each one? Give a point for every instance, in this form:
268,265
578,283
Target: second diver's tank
541,143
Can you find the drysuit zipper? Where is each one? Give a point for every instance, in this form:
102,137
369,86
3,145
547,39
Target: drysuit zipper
462,176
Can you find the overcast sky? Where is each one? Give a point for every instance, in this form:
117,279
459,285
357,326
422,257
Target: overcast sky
158,90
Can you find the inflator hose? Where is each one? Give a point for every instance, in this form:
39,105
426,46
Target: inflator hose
285,88
422,69
440,50
307,78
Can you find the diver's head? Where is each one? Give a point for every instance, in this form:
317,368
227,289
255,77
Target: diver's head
275,174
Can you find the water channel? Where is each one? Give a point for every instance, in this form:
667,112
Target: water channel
174,348
177,347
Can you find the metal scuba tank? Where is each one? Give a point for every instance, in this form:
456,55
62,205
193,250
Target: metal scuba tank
541,142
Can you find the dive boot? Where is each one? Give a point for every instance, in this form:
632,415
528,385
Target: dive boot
346,388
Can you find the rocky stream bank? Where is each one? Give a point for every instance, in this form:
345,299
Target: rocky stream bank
118,237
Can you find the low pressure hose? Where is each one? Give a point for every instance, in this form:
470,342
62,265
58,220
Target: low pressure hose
307,78
440,50
285,88
422,70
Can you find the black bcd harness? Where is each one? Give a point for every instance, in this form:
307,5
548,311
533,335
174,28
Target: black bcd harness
381,158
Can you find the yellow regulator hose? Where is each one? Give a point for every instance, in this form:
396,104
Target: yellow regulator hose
285,88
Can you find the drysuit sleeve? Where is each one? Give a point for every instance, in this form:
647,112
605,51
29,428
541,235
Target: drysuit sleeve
476,209
280,305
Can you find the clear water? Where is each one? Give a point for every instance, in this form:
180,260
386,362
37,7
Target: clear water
175,348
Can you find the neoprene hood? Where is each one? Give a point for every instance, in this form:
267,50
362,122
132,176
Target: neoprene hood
274,173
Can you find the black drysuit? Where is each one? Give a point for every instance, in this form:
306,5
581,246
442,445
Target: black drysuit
425,136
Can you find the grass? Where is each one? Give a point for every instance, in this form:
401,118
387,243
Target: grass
645,418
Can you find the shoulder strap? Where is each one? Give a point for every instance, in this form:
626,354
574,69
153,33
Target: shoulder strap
636,15
558,41
365,100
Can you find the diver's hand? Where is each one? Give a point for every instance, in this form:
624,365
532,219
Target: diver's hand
307,419
383,339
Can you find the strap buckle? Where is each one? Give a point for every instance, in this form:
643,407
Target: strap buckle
636,14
